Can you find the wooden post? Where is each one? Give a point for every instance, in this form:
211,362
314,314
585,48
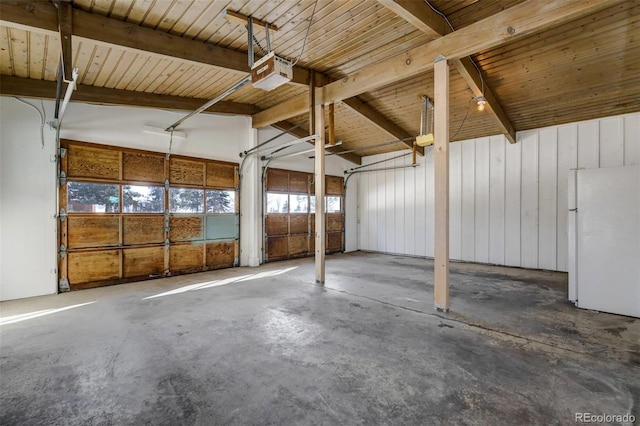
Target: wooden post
332,129
319,179
312,103
441,160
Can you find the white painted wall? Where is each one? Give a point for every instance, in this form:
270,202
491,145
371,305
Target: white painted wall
508,202
28,192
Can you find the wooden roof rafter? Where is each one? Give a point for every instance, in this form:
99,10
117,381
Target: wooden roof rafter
428,21
524,19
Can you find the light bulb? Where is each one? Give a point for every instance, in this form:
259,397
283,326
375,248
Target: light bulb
481,103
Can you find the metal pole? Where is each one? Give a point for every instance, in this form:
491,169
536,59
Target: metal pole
249,151
378,162
215,100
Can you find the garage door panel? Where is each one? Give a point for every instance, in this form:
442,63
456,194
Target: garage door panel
143,261
222,175
277,247
93,231
298,245
143,229
299,182
334,185
91,162
186,172
221,227
334,222
186,257
277,180
185,228
334,242
277,224
299,224
93,266
143,167
221,255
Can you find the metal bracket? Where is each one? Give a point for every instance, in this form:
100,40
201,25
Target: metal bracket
62,251
63,152
63,178
166,242
166,184
62,215
63,285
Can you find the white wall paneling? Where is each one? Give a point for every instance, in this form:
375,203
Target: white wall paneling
508,202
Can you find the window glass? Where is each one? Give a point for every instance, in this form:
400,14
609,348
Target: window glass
186,200
332,204
299,203
142,199
221,201
312,204
83,197
277,203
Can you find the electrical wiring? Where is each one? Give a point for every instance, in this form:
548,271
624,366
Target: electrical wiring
304,42
43,118
463,120
453,29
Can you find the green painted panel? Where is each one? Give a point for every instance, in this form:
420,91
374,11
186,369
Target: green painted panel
222,227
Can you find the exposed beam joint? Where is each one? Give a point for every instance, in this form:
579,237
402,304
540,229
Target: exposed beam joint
240,19
507,26
302,132
426,20
381,121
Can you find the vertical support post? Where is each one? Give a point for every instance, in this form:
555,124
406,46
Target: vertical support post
441,160
320,190
312,103
332,123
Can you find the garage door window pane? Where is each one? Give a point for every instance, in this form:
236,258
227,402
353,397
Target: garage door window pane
185,200
83,197
277,203
142,199
333,205
221,201
299,203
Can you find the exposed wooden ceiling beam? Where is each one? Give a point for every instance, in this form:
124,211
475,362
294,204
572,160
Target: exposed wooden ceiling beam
509,25
65,29
419,15
381,121
240,19
29,88
302,132
428,21
469,73
43,16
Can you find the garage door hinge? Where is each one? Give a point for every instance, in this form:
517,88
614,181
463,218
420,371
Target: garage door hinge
166,184
63,178
63,285
62,215
62,152
166,242
63,251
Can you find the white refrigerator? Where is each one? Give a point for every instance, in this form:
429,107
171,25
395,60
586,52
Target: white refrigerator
604,239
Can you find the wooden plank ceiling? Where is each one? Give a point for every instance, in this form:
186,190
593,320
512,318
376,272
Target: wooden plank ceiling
579,70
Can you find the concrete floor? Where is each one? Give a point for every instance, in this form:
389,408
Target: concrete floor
267,346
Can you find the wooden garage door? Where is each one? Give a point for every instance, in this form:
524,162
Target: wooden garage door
128,215
290,215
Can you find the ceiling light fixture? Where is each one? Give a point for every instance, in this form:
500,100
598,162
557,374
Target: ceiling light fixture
482,101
